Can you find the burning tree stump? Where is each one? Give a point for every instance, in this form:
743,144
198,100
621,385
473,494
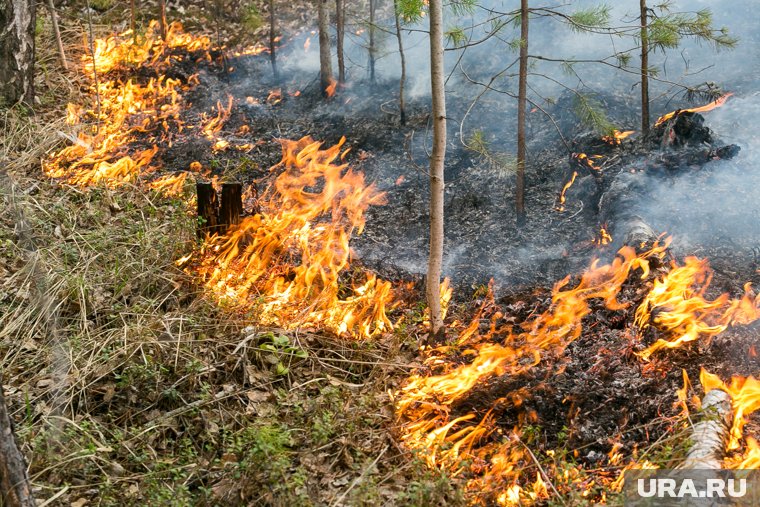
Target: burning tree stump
711,432
216,216
15,488
232,204
208,209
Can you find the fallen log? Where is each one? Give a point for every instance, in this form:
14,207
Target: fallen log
710,433
15,488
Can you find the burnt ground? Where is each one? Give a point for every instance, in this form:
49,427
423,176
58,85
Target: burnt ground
483,241
598,388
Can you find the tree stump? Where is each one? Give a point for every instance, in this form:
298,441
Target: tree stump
208,209
232,204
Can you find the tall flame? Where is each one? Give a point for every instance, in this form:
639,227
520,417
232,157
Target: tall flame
285,263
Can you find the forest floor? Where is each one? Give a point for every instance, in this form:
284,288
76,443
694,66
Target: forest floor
130,386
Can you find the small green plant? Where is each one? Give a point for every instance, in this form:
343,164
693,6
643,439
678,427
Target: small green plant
501,162
278,351
323,427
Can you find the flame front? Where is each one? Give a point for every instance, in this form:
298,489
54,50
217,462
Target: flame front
103,151
425,402
285,263
677,305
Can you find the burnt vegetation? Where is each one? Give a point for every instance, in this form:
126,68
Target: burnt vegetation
216,266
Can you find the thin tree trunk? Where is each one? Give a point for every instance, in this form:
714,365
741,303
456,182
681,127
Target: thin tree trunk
325,58
133,20
15,489
372,8
340,29
644,68
272,44
521,108
437,158
17,23
57,34
402,80
162,18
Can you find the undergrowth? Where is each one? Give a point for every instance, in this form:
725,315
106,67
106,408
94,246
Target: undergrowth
128,387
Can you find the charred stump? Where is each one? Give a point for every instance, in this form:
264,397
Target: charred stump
15,487
208,209
232,204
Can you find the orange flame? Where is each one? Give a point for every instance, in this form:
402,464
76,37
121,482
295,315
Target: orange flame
603,237
330,90
285,263
425,402
702,109
562,195
212,126
102,154
677,304
617,137
275,96
170,185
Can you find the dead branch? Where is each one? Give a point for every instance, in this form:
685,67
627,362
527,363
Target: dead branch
57,34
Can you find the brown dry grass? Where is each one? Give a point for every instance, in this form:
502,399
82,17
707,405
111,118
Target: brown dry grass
128,387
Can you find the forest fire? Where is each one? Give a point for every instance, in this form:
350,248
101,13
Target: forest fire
474,444
286,262
125,109
677,304
701,109
426,401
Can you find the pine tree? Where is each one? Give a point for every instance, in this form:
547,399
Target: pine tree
661,29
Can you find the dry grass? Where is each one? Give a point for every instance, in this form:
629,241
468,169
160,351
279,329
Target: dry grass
129,388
